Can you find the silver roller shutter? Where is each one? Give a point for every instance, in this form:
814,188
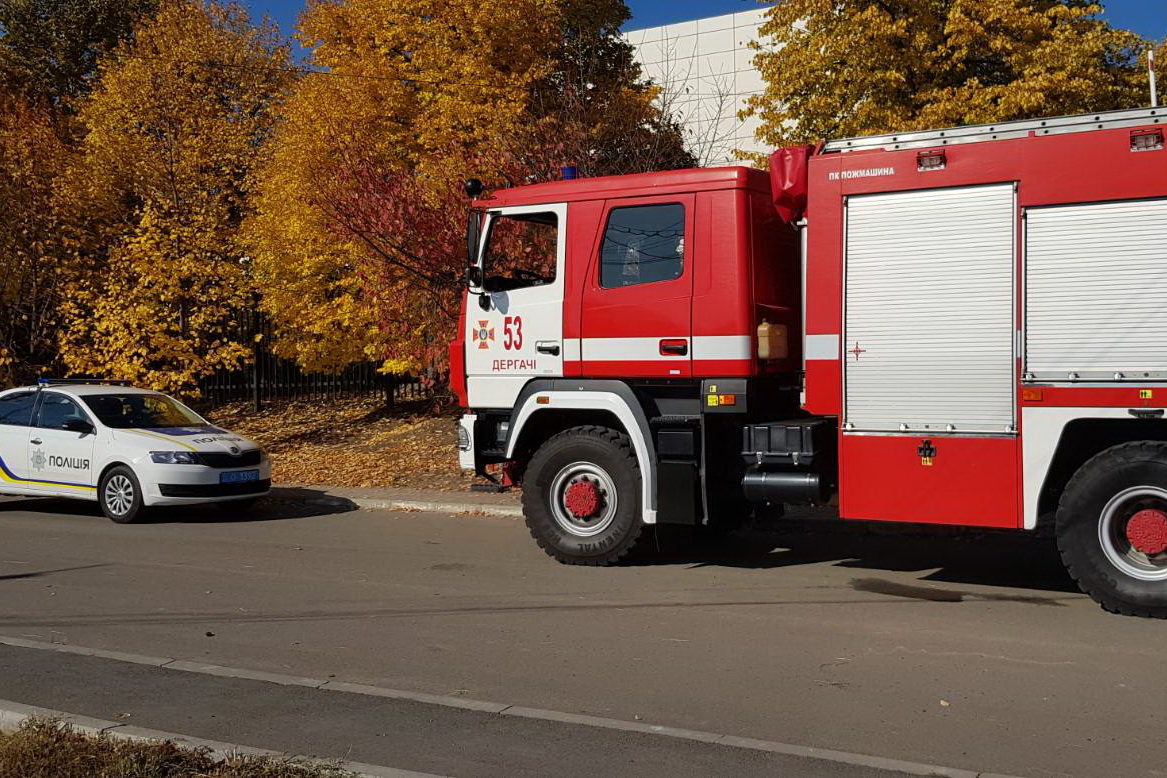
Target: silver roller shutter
929,317
1096,276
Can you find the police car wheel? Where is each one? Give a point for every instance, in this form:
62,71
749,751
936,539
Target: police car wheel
581,496
120,496
1112,529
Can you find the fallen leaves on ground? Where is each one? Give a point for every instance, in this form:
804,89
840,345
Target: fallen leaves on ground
356,442
49,748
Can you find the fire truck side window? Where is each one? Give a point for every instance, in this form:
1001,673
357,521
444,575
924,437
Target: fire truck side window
521,251
643,244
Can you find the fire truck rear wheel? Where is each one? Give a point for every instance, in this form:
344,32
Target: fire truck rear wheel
1112,529
581,496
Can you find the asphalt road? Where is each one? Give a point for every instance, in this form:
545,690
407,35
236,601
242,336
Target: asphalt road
970,651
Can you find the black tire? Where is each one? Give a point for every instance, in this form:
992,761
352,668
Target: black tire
120,496
1095,543
571,460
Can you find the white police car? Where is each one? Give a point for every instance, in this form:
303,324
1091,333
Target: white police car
129,449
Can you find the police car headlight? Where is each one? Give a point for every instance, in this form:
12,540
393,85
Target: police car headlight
174,458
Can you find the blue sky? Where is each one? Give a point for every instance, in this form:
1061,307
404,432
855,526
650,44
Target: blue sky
1147,17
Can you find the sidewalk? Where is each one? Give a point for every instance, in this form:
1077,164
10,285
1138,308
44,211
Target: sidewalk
401,732
442,501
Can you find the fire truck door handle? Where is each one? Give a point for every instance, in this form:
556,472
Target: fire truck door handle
674,347
547,347
1146,413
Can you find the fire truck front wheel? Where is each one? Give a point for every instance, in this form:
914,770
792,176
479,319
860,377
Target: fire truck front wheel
581,496
1112,528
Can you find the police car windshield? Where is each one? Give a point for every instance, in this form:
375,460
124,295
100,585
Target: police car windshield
141,411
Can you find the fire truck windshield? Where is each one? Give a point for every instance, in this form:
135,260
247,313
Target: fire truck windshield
520,251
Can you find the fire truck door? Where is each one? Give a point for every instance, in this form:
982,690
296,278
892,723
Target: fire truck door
929,427
637,302
514,321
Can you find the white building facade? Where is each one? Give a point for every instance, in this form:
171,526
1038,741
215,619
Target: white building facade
706,72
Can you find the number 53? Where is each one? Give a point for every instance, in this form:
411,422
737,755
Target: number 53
512,333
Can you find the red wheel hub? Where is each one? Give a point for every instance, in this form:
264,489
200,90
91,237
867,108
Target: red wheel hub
582,499
1147,532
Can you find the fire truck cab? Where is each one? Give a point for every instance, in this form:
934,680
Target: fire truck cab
959,327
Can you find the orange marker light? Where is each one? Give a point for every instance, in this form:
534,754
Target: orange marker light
729,399
1031,395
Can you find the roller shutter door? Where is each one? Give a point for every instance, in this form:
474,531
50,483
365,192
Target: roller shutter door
1096,276
929,319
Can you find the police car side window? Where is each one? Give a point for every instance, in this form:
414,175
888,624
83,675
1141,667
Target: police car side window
16,408
643,244
55,410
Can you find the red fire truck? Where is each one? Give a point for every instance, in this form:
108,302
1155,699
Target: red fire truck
961,327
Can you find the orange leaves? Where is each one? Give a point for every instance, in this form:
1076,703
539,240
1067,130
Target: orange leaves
357,240
352,442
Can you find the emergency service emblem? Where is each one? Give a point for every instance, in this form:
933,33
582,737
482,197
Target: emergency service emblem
37,460
483,334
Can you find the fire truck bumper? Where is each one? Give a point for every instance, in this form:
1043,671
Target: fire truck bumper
466,441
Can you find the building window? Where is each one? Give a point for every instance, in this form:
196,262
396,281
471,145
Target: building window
643,244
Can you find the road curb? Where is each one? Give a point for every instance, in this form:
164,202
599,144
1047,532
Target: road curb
509,511
14,714
395,504
504,709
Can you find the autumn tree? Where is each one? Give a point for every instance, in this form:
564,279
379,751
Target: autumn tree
49,48
407,95
174,129
836,68
595,110
33,247
359,236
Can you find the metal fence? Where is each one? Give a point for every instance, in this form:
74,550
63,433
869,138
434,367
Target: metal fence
270,377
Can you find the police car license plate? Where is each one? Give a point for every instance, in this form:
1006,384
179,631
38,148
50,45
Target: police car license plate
239,476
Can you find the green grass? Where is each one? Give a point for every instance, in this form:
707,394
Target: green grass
46,748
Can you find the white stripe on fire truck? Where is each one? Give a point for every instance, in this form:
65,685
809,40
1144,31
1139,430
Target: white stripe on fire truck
822,346
707,347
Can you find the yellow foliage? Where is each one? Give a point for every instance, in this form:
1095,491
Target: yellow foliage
420,90
839,68
173,132
32,247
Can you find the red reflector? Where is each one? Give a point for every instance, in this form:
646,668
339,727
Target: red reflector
729,399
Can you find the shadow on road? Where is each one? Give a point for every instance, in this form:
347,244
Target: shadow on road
941,555
282,504
43,573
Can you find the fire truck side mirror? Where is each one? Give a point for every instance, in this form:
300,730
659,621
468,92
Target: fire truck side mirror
473,225
474,277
